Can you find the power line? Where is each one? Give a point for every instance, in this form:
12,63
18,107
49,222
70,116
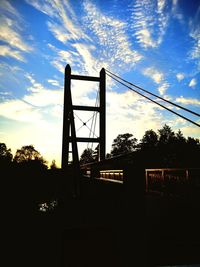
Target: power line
140,88
154,101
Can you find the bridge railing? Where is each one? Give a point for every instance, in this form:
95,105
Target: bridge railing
172,180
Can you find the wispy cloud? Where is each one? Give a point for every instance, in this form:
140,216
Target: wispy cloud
12,37
163,88
180,76
65,26
115,48
149,22
39,96
158,77
60,58
188,101
195,35
11,33
192,83
6,51
89,62
176,11
132,113
18,110
5,6
54,82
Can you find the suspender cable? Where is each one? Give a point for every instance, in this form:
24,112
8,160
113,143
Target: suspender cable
188,110
93,124
154,101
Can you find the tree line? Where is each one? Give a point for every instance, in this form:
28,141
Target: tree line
25,157
164,148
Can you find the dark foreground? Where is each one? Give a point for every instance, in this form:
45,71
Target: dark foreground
107,226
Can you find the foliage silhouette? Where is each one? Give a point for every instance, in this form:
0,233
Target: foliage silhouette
169,149
123,143
5,155
87,156
28,154
53,165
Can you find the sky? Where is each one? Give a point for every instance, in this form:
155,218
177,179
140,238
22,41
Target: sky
154,44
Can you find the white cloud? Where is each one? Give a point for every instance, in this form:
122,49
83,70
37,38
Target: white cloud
67,26
156,75
11,32
53,82
145,16
128,112
40,96
59,32
191,131
61,58
188,101
5,6
19,110
163,88
89,62
6,51
195,35
13,38
114,50
176,12
44,98
180,76
193,83
110,34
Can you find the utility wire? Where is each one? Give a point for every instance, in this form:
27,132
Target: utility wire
154,101
188,110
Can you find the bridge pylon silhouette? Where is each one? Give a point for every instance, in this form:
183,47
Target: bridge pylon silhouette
70,138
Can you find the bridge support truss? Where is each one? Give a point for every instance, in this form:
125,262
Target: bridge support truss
69,129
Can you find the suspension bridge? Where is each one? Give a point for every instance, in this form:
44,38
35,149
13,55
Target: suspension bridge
109,200
112,212
70,157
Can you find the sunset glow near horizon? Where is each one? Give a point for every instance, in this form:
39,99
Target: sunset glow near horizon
154,44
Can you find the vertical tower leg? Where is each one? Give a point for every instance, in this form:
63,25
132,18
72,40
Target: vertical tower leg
69,125
102,93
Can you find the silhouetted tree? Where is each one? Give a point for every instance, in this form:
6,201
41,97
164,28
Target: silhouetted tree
5,155
96,153
28,156
87,156
53,165
123,144
166,135
192,152
149,140
180,139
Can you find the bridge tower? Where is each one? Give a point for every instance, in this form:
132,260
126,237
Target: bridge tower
69,129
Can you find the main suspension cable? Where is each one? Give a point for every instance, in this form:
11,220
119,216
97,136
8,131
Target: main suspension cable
140,88
154,101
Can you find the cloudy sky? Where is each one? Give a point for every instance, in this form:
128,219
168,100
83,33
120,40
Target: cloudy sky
152,43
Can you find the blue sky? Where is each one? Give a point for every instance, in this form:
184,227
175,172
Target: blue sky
152,43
